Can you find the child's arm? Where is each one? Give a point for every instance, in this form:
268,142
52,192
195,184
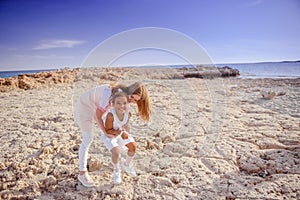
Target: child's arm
109,127
126,127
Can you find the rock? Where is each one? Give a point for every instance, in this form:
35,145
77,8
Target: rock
209,72
31,81
227,71
162,181
263,173
268,95
49,183
94,164
26,83
7,84
152,145
47,150
281,93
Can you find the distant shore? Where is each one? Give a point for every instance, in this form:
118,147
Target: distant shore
282,69
49,77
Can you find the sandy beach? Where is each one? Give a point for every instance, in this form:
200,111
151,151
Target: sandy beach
214,138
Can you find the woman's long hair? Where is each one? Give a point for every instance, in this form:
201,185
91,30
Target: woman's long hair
144,104
137,88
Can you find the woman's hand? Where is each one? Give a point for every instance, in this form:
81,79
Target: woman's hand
126,127
110,135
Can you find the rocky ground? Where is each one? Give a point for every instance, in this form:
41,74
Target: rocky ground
213,138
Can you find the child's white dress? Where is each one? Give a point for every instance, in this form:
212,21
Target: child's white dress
117,141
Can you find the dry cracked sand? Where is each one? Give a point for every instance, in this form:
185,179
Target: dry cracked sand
208,139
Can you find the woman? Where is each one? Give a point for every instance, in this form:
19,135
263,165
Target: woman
92,105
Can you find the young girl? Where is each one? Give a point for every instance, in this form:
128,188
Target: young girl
92,106
117,135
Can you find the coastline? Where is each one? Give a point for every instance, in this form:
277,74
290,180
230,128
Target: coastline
69,76
209,138
274,70
9,74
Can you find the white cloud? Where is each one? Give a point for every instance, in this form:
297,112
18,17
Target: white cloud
52,57
255,3
51,44
45,57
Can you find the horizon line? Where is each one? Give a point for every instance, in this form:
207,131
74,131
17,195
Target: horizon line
147,65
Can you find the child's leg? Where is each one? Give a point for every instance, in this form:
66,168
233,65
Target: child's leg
127,166
112,145
131,151
115,156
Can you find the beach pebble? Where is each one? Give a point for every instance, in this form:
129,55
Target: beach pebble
47,182
268,95
94,164
47,150
162,181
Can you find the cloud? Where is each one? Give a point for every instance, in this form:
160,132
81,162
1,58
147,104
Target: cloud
51,44
52,57
255,3
56,57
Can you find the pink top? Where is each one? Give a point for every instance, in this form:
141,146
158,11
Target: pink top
85,110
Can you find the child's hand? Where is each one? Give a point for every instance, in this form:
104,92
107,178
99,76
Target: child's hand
124,135
110,135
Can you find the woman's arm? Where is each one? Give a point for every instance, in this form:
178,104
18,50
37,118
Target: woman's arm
102,107
99,115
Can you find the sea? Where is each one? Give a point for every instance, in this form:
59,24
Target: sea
7,74
287,69
279,70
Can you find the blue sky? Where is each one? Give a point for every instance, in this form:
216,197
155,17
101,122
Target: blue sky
41,34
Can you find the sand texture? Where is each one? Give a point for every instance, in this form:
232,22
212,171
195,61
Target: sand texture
215,138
